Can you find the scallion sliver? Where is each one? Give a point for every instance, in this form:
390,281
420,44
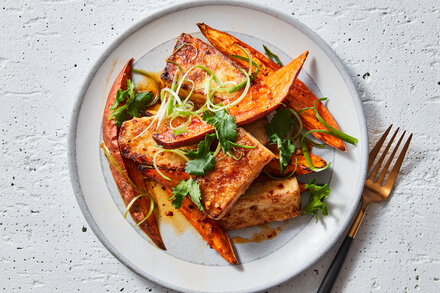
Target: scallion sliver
333,131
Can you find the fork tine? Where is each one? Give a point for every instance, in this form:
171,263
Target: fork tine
382,157
393,175
390,159
375,150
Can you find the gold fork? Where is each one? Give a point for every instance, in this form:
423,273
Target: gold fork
376,189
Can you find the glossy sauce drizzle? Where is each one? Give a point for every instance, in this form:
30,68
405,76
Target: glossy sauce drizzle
147,84
266,233
165,212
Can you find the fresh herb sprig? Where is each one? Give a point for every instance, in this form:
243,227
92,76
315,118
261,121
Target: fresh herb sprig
318,193
128,104
278,130
202,159
184,188
225,128
272,56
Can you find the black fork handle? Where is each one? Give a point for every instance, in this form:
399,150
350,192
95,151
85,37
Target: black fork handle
335,267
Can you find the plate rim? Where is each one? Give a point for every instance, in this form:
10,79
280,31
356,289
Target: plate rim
340,66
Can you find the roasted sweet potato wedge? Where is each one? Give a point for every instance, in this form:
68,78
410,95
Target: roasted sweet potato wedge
262,98
209,229
302,187
190,51
300,96
226,44
265,201
302,167
230,178
110,136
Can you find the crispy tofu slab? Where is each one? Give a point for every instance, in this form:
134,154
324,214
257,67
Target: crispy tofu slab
210,230
220,187
265,201
230,178
136,143
129,169
262,98
300,96
190,51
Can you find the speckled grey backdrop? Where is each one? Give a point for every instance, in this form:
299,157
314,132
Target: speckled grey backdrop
392,49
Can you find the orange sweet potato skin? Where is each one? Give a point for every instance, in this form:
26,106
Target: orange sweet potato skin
195,132
261,99
302,167
300,96
110,137
266,95
208,228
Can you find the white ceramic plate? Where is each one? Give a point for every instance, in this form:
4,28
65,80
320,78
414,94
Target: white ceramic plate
188,264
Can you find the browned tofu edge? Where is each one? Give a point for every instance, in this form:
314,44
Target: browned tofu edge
218,211
185,57
264,202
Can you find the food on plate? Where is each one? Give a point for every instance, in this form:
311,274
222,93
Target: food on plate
136,143
297,164
265,201
189,52
254,102
210,230
300,98
230,178
222,132
124,170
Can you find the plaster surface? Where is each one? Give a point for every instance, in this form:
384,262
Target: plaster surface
391,48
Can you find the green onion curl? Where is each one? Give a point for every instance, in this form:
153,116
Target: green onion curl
333,131
156,96
134,200
306,153
176,151
285,177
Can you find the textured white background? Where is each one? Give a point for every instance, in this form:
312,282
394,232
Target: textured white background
392,49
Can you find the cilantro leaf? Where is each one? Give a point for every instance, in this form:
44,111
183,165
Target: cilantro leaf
277,130
184,188
203,147
225,127
202,158
139,103
179,193
272,56
133,103
194,193
200,166
318,193
121,116
120,97
286,150
280,125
